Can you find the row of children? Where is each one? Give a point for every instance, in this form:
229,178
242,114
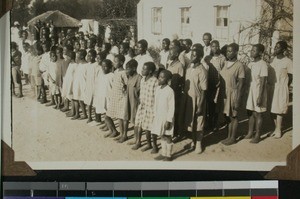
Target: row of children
187,91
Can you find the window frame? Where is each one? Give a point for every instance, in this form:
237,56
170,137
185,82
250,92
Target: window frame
156,28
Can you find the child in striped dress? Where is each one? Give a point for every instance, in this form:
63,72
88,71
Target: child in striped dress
144,116
117,99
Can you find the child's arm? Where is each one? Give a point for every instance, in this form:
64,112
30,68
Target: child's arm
170,110
203,87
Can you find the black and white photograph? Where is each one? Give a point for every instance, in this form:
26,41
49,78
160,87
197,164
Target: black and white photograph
148,84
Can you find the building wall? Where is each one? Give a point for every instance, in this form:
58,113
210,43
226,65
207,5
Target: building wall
202,19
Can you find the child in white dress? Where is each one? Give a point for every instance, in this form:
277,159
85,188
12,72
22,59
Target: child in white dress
257,98
164,108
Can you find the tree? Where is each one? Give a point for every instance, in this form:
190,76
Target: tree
20,11
119,8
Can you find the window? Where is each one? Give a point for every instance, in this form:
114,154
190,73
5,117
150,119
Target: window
222,22
156,27
185,21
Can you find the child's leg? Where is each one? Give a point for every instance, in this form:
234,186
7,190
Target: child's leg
26,78
234,125
252,118
278,125
66,105
121,127
89,112
198,145
169,147
111,126
138,137
148,137
55,100
97,117
258,126
38,92
43,93
155,147
59,99
76,108
52,102
163,142
71,112
82,106
124,125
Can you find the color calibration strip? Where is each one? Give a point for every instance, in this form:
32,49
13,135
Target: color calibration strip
139,190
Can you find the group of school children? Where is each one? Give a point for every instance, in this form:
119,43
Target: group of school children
189,91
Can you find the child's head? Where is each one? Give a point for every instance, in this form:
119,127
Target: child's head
142,47
91,56
53,56
164,77
280,47
257,50
232,51
67,48
197,46
13,46
197,55
83,44
26,46
131,52
124,47
187,44
148,69
175,42
106,47
59,52
54,41
91,43
106,66
77,45
100,57
165,44
174,53
131,67
81,54
119,61
46,46
71,55
207,38
24,34
215,47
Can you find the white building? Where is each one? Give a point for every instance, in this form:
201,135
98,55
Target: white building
158,19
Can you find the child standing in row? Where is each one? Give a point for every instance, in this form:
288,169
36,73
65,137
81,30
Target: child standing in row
284,75
145,115
194,104
36,76
233,75
257,98
117,99
133,93
54,75
103,85
79,85
164,109
90,82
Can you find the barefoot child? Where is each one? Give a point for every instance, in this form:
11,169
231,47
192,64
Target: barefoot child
79,85
16,57
25,62
90,82
284,74
103,85
67,91
164,108
144,115
36,75
233,75
257,98
117,99
194,99
97,88
54,74
133,93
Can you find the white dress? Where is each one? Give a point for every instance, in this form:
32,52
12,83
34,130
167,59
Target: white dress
67,89
164,108
281,91
103,85
44,65
79,82
90,82
25,62
258,69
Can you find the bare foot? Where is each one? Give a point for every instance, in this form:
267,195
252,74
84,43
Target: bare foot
229,142
249,136
115,134
154,150
123,139
148,147
255,140
160,157
276,134
168,159
136,146
131,142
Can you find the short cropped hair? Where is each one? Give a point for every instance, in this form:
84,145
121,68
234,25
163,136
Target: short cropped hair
144,43
151,66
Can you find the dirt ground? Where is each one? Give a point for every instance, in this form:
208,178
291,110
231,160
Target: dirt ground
42,133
